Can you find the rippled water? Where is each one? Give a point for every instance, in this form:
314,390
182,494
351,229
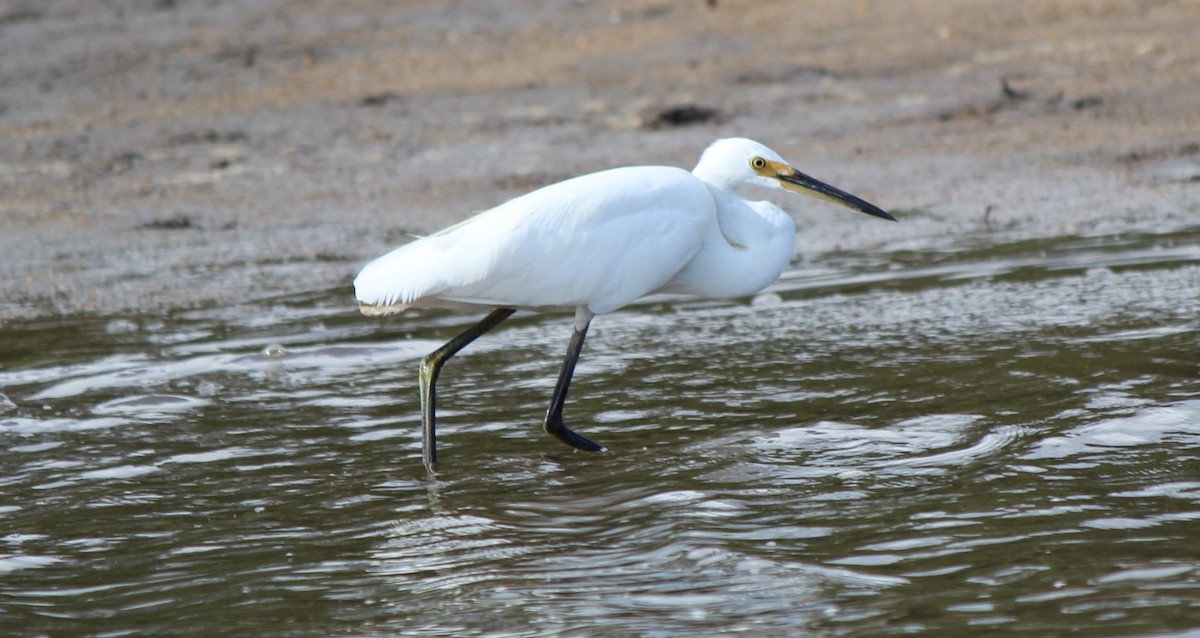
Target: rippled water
996,438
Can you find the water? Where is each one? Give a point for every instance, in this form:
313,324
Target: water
998,439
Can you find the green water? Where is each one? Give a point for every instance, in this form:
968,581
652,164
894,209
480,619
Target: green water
998,439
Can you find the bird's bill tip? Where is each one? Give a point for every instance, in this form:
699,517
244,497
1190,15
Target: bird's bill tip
796,181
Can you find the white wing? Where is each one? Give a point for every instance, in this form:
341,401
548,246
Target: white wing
600,240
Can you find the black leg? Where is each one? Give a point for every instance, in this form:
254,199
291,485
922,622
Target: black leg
554,419
432,364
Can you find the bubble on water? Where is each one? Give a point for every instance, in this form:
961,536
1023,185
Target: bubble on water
275,351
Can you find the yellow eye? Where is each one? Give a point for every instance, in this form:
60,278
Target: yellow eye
758,163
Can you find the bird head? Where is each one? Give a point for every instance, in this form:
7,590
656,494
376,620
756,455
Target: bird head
737,161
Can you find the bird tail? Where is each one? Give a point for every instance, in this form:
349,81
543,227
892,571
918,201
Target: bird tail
381,310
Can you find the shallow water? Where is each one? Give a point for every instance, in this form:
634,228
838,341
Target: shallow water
994,438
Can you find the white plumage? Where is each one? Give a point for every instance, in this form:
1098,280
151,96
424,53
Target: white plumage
595,243
547,250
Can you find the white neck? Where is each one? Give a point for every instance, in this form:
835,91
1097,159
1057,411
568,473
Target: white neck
746,250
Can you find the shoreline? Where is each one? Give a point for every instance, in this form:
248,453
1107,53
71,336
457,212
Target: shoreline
161,156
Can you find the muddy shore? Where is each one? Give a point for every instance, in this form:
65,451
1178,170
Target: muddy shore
158,155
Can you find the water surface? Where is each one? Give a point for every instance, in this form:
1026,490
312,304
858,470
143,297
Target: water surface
1001,437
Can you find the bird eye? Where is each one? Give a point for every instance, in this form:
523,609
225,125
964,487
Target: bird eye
758,163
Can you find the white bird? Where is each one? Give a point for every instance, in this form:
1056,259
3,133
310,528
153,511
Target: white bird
593,244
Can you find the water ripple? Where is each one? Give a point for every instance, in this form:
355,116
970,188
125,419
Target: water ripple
1178,424
919,444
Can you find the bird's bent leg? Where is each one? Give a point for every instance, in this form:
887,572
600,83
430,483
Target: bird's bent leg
554,420
432,364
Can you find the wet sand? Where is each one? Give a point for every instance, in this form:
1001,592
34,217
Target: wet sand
159,155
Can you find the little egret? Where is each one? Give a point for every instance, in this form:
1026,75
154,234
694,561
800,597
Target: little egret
593,244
